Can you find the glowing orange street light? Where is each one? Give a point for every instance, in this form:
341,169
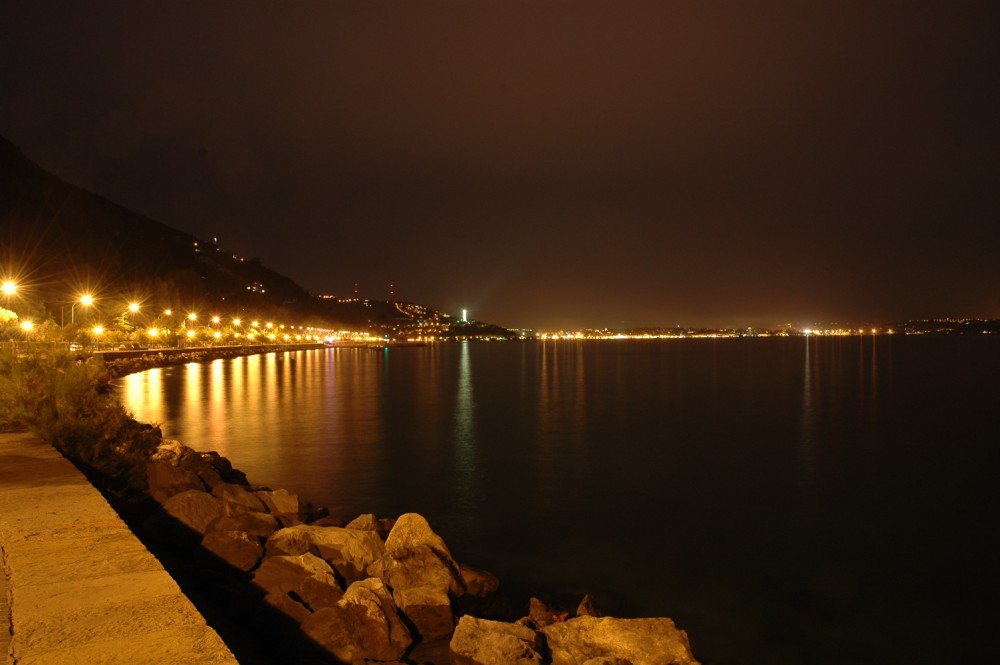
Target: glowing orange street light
133,307
9,287
237,322
86,300
27,326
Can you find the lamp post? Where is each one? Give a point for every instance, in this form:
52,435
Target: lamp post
98,330
86,300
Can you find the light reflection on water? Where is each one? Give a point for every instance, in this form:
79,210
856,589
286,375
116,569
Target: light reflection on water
773,496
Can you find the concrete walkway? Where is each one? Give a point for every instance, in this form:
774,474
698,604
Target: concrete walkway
79,586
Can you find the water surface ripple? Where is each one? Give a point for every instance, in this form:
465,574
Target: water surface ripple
785,500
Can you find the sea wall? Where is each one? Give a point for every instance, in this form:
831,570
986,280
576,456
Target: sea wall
120,363
372,589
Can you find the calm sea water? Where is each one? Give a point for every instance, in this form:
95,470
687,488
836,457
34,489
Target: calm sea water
784,500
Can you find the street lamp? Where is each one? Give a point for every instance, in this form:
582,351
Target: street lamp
86,300
9,287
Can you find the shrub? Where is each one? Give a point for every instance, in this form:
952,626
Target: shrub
69,403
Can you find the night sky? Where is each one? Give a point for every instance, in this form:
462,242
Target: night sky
545,164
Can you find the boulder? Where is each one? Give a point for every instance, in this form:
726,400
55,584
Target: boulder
539,614
170,451
288,606
283,574
211,467
428,609
479,583
318,592
485,642
418,557
256,525
640,641
480,590
240,499
364,625
206,472
588,607
185,517
234,548
279,502
366,522
309,512
165,480
350,551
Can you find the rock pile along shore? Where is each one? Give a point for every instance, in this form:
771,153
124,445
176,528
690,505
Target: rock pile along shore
372,590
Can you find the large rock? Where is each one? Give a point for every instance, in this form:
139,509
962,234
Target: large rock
234,548
256,525
418,557
640,641
350,551
279,502
539,614
428,609
364,625
318,592
366,522
240,499
369,522
165,480
170,451
211,467
485,642
588,607
479,583
184,518
480,590
288,606
284,574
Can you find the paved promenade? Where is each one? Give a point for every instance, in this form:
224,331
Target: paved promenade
78,586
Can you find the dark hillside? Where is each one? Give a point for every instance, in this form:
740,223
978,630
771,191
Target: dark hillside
60,241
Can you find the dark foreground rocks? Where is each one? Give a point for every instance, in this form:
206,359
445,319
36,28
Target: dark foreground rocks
373,590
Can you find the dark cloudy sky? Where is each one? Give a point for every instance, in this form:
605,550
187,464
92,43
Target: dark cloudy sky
545,163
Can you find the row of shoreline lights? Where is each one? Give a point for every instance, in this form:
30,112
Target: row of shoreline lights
9,288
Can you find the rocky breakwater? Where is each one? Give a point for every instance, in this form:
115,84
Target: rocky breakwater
372,590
